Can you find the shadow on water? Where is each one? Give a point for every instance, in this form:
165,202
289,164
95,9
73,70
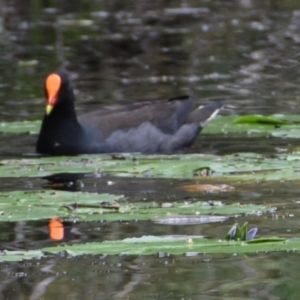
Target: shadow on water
245,52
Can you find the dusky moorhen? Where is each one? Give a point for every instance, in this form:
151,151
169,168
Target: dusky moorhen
146,127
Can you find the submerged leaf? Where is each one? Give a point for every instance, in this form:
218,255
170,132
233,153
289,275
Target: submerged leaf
208,188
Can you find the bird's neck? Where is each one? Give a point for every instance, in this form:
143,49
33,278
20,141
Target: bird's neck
65,110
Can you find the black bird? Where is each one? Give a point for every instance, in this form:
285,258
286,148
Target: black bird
146,127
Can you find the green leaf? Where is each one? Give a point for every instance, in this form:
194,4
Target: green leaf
21,127
149,245
237,167
36,205
259,119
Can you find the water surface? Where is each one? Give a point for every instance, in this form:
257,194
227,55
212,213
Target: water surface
245,52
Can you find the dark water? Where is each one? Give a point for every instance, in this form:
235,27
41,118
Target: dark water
245,52
255,277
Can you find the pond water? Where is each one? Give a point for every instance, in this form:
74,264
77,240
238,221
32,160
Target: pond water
245,52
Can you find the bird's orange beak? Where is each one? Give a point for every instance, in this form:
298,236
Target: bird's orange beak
52,86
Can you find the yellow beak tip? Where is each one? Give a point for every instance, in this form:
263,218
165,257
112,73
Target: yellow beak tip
49,109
